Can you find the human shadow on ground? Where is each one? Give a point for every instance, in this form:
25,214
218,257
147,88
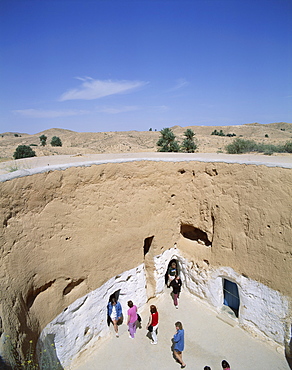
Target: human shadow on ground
148,335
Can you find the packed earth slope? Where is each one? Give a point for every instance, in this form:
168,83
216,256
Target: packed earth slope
71,236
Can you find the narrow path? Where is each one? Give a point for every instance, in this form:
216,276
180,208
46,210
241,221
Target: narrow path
29,166
208,340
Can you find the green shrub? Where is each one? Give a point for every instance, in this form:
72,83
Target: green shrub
56,141
218,133
288,147
33,144
167,141
23,151
244,146
266,135
43,140
239,146
189,145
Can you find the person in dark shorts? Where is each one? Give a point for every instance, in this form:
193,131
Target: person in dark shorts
176,288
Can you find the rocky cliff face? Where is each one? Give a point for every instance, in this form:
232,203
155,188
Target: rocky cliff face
67,233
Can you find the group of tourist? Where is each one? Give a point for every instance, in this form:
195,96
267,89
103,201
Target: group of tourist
115,314
114,310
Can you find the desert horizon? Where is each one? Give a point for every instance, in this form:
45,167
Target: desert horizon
81,143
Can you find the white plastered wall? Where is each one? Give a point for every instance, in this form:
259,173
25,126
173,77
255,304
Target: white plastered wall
262,311
80,325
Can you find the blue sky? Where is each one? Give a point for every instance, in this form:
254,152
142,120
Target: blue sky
131,65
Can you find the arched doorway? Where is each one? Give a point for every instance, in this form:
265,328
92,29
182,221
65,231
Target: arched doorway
172,261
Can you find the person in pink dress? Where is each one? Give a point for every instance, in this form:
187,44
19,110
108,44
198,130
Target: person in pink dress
132,318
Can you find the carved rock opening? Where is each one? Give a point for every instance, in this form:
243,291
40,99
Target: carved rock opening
33,293
193,233
72,285
147,244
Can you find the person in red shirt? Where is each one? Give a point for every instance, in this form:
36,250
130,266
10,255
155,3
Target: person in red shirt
152,325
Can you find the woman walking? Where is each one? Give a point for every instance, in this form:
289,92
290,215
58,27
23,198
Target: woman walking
176,288
179,343
114,310
171,272
152,325
132,318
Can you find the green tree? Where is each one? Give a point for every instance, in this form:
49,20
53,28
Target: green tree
221,133
167,141
56,141
189,145
23,151
43,140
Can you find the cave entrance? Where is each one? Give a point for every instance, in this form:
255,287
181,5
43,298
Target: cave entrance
193,233
231,296
173,261
147,244
115,295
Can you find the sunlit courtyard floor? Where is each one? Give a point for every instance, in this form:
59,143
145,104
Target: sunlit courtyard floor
208,340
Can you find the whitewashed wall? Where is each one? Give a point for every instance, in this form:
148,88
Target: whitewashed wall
262,310
85,321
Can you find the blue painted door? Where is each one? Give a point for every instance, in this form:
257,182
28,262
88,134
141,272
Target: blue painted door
231,296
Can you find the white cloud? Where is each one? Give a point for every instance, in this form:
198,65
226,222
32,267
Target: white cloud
115,110
40,113
163,108
180,83
95,89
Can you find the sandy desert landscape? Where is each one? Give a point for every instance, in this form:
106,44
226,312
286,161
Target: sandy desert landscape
75,143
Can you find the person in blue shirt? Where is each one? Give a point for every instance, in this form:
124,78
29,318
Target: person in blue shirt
114,310
179,343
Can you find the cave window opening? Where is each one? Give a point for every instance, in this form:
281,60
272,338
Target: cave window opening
231,296
193,233
174,260
147,244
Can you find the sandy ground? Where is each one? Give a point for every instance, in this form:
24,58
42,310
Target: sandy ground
209,338
29,166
